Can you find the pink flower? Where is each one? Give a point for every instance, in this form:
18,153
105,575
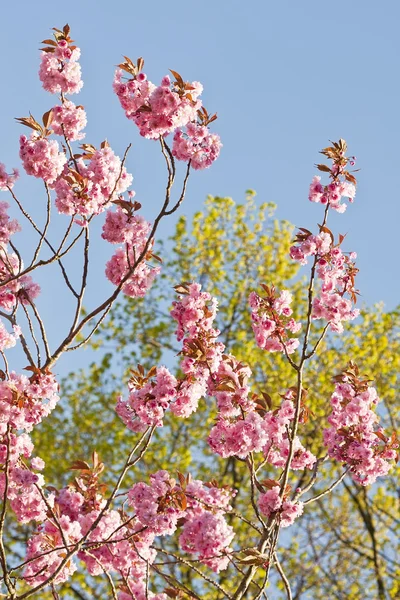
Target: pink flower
7,181
352,438
197,145
69,120
139,281
271,503
60,71
42,158
208,535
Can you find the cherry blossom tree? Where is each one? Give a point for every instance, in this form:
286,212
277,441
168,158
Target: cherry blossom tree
118,533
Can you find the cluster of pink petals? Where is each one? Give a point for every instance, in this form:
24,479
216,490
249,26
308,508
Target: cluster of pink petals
271,320
234,398
137,283
46,551
208,535
124,556
14,289
128,551
336,272
24,486
7,180
238,437
148,403
157,111
121,227
41,157
194,312
160,517
311,246
60,71
256,433
69,120
7,226
105,179
271,504
197,145
353,437
8,340
205,531
334,309
277,448
24,494
24,401
332,193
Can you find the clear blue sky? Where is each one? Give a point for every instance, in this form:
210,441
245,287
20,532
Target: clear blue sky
285,77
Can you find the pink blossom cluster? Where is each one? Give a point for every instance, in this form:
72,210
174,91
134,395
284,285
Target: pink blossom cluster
277,423
7,180
24,488
335,309
95,186
310,245
159,505
163,505
69,120
150,397
240,428
354,438
256,433
60,71
272,320
7,226
157,111
336,272
272,504
238,436
194,313
8,340
146,405
41,157
115,543
46,550
123,226
24,402
138,283
197,145
14,289
332,194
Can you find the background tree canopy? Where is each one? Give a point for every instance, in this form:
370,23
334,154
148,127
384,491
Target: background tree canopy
344,546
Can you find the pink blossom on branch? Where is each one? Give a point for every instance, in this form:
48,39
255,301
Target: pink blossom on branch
42,157
91,189
6,180
69,120
60,71
354,437
270,503
272,320
197,145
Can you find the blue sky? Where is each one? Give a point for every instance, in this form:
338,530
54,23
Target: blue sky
285,77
